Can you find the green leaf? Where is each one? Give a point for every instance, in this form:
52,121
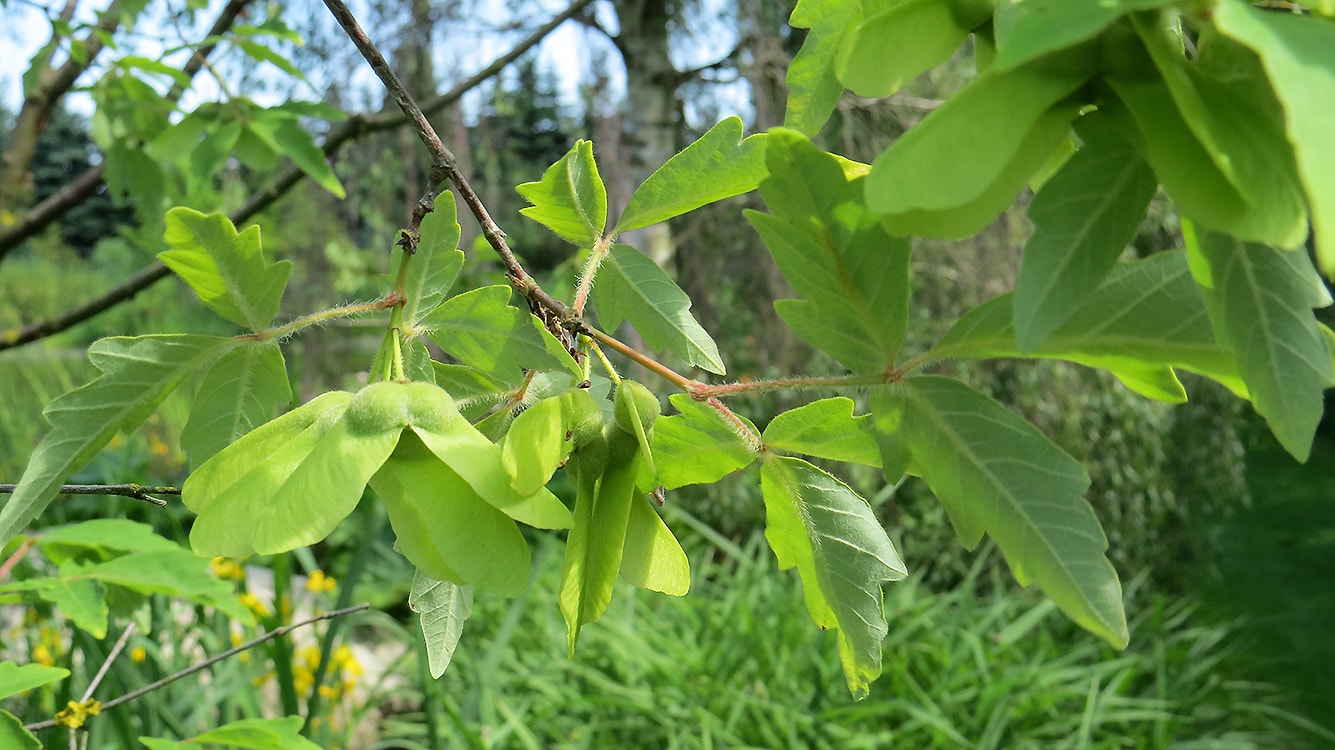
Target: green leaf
1224,98
444,528
81,601
942,162
286,484
825,429
1146,313
813,89
180,139
260,53
852,276
137,374
570,199
432,271
15,679
632,287
594,547
176,573
99,538
135,177
13,735
1262,307
699,445
997,474
1028,29
1295,51
1046,138
887,414
286,136
1083,219
442,609
720,164
252,734
820,526
652,558
481,329
227,270
891,48
238,393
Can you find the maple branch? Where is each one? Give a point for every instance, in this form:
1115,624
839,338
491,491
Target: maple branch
135,491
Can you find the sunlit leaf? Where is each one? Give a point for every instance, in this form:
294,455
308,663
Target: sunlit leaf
1027,29
433,269
15,679
1295,51
699,445
632,287
825,429
442,609
481,329
997,474
813,89
891,48
570,199
137,374
227,270
286,136
720,164
942,163
816,524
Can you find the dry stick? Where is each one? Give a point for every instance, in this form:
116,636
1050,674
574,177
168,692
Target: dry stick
276,632
43,214
106,664
355,127
136,491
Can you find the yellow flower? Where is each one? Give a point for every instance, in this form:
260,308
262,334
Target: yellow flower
330,692
138,654
75,714
319,582
254,604
311,655
117,441
221,567
42,655
259,681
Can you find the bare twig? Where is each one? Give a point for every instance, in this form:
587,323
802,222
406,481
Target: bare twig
355,127
136,491
276,632
106,664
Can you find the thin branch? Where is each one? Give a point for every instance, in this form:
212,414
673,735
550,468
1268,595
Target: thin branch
357,126
276,632
54,206
106,664
136,491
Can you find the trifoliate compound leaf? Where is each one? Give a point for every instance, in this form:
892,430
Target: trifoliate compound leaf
226,270
813,89
570,199
481,329
817,524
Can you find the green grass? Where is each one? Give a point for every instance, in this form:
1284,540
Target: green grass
737,663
